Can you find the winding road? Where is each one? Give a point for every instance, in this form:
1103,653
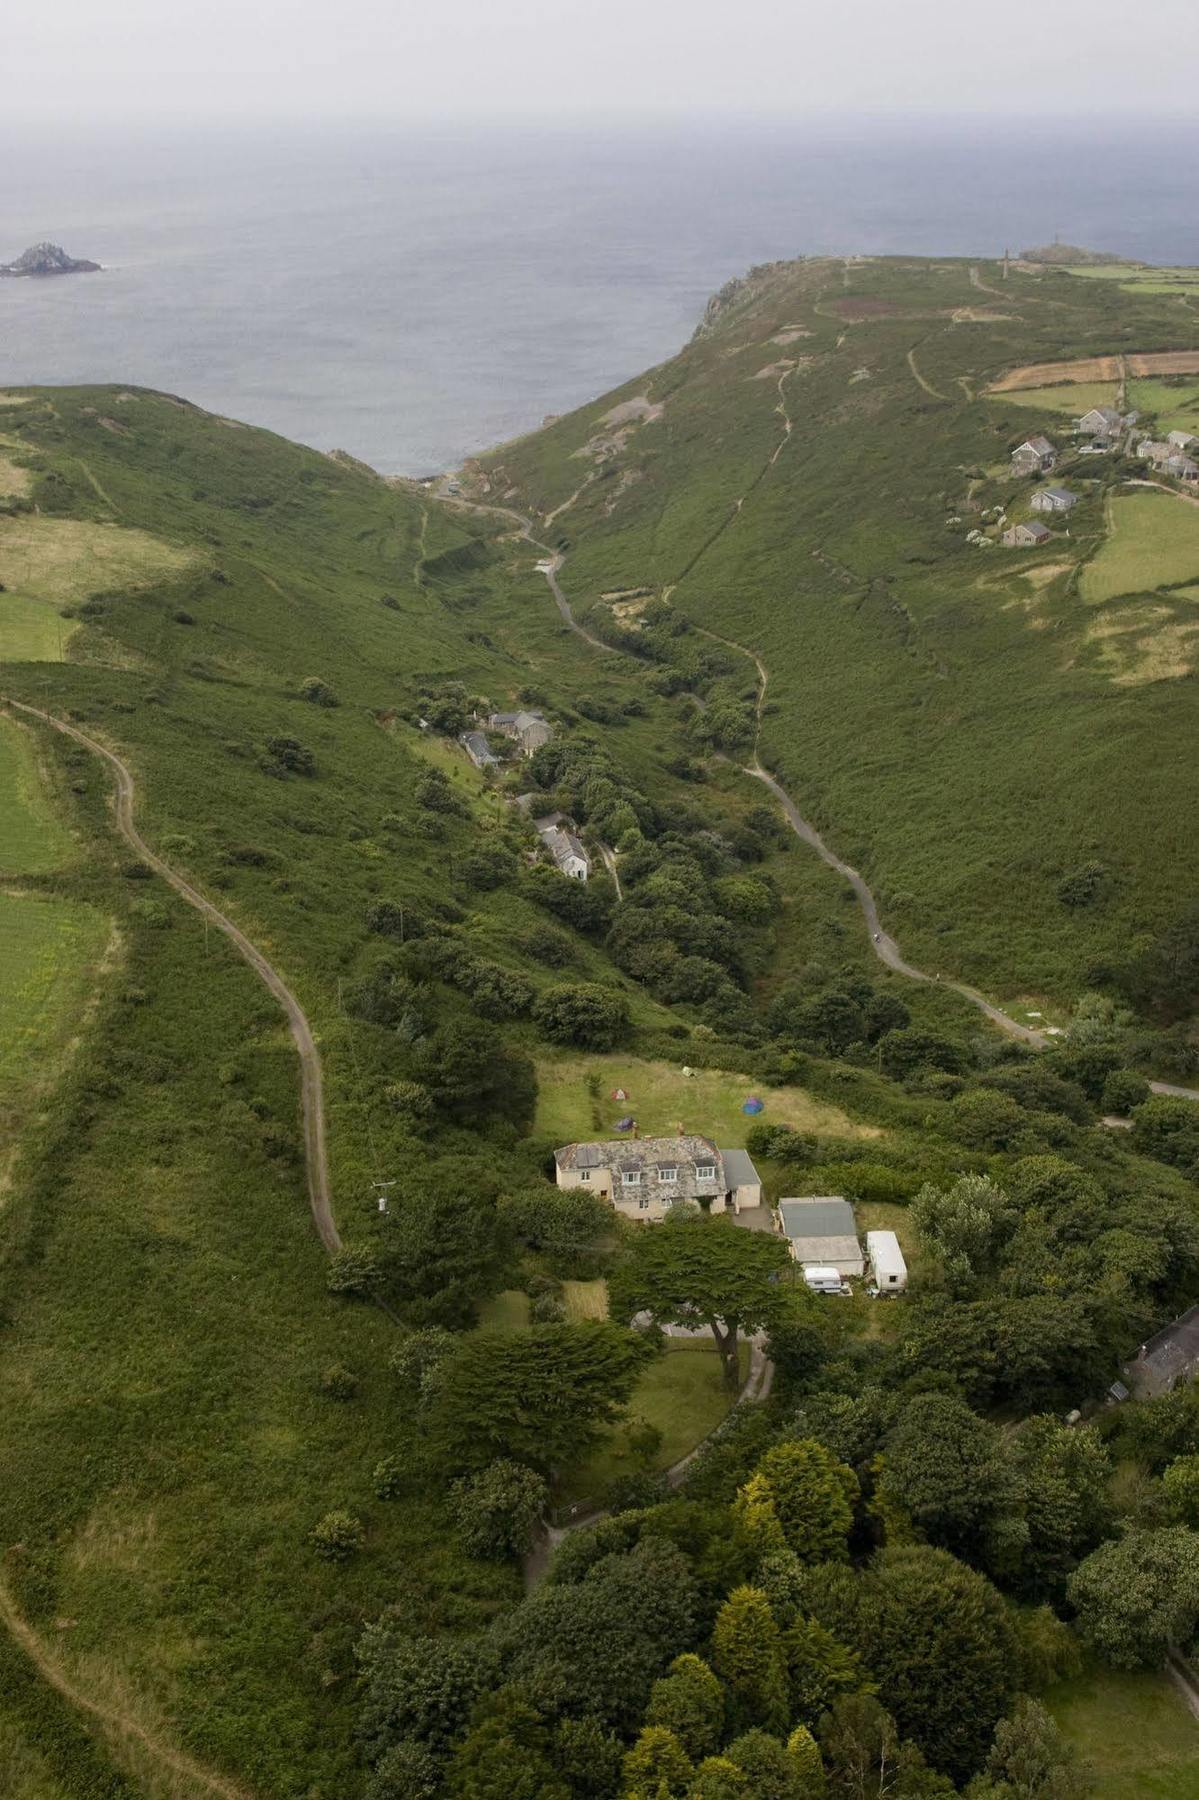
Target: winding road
311,1090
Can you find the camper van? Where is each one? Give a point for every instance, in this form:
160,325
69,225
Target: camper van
825,1281
887,1266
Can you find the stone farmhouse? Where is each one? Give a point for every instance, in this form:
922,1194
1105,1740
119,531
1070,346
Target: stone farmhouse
1101,422
1026,537
1035,456
648,1178
1181,440
527,729
1053,500
568,854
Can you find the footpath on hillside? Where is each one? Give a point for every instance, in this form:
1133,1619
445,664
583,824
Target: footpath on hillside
882,943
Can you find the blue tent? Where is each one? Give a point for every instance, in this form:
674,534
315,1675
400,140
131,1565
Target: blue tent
625,1124
754,1105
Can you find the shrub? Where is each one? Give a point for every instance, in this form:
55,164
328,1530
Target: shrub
338,1536
339,1383
412,1101
354,1269
595,1017
288,756
318,692
1124,1090
498,1509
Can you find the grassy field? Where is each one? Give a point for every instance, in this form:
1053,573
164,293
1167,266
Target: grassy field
574,1102
1143,280
1154,541
682,1395
15,479
1172,405
47,948
1070,400
1135,1732
32,838
47,564
31,631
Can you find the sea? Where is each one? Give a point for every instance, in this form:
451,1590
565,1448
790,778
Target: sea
413,296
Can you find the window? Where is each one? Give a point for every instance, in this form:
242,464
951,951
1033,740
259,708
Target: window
705,1172
632,1178
584,1174
643,1203
668,1176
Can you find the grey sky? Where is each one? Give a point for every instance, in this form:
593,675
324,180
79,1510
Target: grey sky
416,59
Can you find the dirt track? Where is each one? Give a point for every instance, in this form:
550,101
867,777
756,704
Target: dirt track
118,1726
884,946
311,1092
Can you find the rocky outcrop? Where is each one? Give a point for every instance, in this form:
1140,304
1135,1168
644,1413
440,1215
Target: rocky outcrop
48,259
1068,253
735,293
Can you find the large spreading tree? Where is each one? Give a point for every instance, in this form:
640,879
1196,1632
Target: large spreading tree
696,1270
540,1397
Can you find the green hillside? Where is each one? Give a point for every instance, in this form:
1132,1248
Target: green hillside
964,725
168,1446
250,1543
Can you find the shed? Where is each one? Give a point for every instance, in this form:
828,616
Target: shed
887,1265
821,1231
742,1183
1026,537
1053,500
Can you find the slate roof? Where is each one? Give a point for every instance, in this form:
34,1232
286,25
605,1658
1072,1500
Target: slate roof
645,1158
640,1153
739,1170
1062,496
562,845
823,1216
477,746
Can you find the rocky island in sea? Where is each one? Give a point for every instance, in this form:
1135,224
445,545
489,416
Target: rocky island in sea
48,259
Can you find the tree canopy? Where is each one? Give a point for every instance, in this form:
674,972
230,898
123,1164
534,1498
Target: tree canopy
697,1270
539,1397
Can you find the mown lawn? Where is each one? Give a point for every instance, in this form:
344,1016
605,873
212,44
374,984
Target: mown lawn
32,840
47,947
1136,1733
31,630
575,1102
682,1394
1154,541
